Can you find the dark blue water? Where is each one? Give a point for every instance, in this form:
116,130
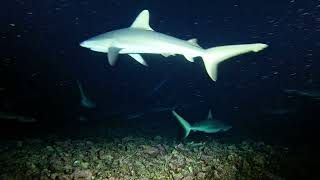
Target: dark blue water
41,60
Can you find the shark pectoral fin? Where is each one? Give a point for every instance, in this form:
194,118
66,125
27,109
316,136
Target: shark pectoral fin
194,42
113,55
142,21
189,58
139,58
167,54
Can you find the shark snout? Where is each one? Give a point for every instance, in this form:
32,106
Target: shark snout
83,44
88,44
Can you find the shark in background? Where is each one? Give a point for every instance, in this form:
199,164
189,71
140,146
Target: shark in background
16,117
127,115
85,101
278,110
140,38
310,93
209,125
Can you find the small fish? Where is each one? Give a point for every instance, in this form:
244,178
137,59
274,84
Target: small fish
82,118
311,93
134,116
278,111
156,88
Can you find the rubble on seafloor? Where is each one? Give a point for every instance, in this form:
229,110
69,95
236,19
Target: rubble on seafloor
138,158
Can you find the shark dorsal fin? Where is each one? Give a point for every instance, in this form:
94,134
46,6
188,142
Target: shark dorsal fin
194,42
142,21
209,115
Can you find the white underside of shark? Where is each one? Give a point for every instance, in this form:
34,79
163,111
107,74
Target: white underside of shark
140,38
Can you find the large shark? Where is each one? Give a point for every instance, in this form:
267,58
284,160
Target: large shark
208,125
140,38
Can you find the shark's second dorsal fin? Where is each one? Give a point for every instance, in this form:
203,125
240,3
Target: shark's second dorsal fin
167,54
142,21
194,42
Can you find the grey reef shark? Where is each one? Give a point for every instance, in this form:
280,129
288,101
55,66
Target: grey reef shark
140,38
209,125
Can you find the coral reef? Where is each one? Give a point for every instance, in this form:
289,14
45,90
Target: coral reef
138,158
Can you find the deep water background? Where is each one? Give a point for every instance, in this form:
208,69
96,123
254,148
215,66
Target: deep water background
41,60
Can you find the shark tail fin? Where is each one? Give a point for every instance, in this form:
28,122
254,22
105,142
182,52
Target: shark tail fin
80,89
186,126
214,56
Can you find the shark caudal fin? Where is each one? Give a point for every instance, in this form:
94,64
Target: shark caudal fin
214,56
85,101
186,126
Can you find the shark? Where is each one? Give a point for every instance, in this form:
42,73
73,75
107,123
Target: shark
140,38
310,93
209,125
278,111
85,101
16,117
